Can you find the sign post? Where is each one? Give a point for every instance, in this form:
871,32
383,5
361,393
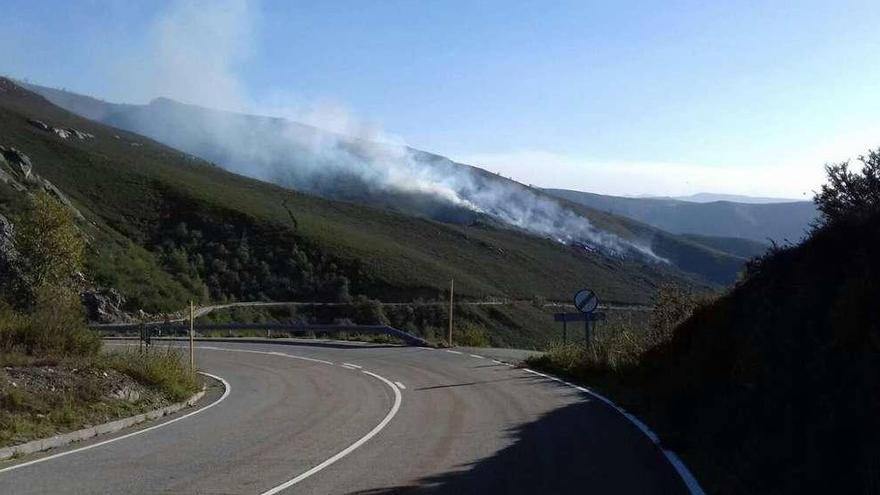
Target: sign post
451,293
192,354
586,302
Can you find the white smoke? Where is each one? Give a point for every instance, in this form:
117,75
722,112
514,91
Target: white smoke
196,47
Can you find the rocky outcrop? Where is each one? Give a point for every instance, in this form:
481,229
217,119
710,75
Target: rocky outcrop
17,171
62,132
104,305
17,163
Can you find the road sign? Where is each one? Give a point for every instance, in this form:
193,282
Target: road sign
586,301
578,317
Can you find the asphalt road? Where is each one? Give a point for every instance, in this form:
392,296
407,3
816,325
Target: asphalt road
300,419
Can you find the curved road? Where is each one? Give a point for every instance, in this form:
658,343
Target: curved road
337,418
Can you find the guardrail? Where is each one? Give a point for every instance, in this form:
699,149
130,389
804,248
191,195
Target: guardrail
152,329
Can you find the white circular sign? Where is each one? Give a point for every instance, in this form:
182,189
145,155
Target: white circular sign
586,301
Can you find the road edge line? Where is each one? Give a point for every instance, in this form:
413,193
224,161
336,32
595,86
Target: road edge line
102,429
687,477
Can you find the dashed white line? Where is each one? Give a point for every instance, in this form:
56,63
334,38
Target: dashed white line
129,435
476,356
452,352
400,385
352,366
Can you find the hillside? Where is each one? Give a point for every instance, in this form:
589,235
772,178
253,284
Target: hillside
166,226
779,222
400,179
772,388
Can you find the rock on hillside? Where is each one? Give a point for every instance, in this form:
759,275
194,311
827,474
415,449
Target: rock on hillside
104,305
17,170
8,255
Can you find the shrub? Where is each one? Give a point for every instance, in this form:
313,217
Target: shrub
622,344
672,305
55,326
163,369
850,196
471,335
50,246
368,311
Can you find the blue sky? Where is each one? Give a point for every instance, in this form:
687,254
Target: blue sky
612,97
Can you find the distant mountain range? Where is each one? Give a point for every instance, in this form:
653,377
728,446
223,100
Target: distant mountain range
761,222
705,197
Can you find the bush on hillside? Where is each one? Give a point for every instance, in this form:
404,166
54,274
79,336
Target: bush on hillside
51,248
851,196
47,318
368,311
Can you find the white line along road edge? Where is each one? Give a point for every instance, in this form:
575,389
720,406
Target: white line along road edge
134,433
379,427
398,398
684,473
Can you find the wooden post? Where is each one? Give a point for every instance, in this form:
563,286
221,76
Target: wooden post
192,354
451,295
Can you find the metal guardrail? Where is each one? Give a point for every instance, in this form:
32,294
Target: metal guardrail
147,330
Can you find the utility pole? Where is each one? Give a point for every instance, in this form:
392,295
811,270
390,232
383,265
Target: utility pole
451,295
192,354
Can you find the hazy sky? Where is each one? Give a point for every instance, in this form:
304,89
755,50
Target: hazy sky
613,97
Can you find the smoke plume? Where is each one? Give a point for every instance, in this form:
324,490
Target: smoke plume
196,49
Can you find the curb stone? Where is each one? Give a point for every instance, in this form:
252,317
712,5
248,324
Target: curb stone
102,429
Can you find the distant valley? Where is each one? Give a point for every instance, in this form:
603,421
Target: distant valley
760,222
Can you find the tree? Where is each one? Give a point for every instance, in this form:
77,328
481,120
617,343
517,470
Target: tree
51,247
850,196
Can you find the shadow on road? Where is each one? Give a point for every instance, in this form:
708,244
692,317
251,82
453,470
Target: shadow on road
584,447
467,384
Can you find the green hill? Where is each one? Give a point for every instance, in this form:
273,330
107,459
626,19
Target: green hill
166,226
338,167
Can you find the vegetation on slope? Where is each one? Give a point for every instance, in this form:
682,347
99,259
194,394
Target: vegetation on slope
772,387
284,160
54,375
242,238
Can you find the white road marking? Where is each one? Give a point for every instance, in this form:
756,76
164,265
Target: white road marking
352,366
379,427
476,356
129,435
271,353
686,476
685,473
452,352
497,361
400,385
350,448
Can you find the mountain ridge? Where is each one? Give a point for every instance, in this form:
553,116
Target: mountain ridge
193,129
166,227
771,222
